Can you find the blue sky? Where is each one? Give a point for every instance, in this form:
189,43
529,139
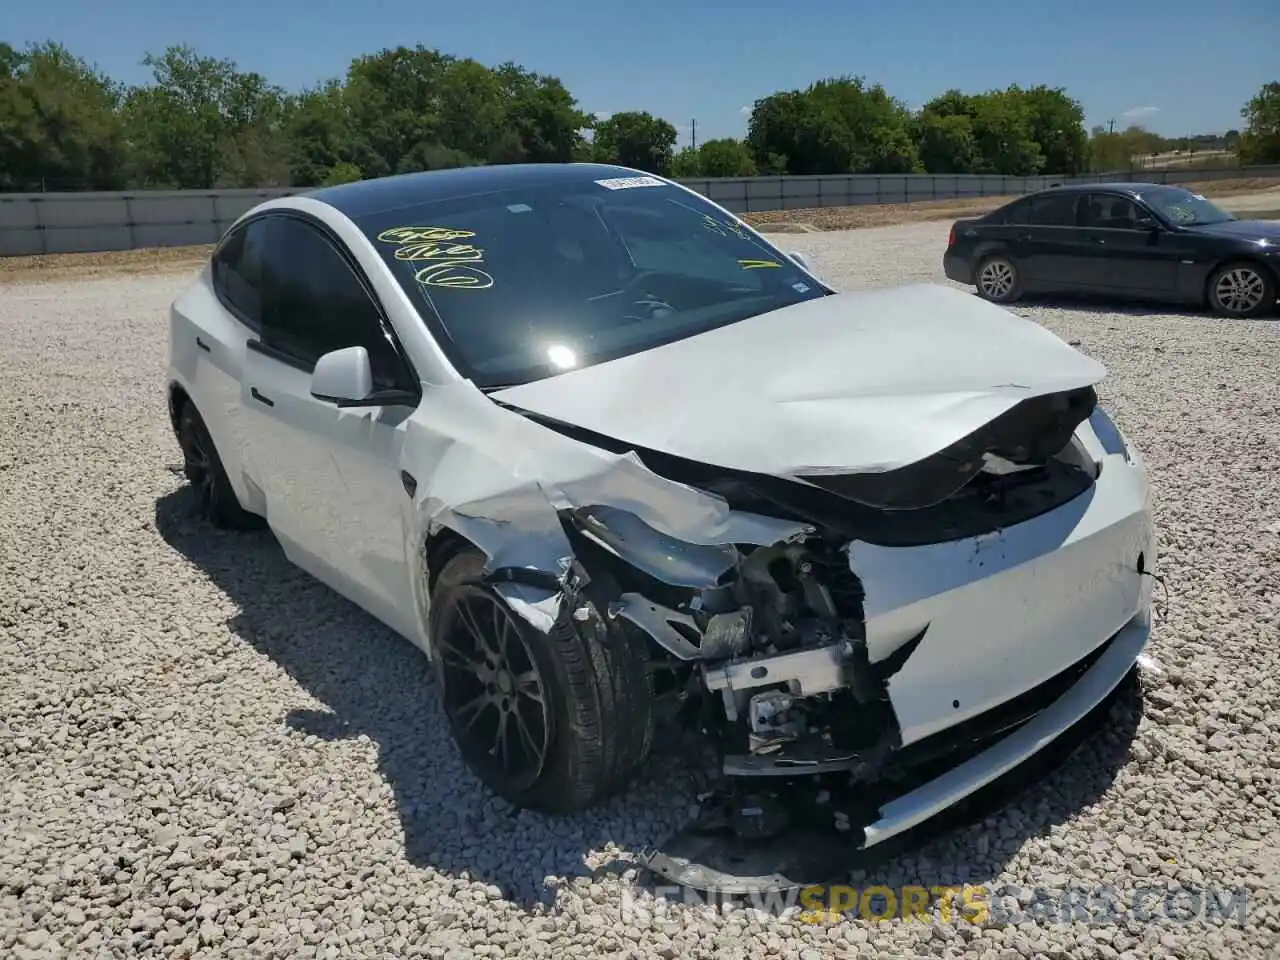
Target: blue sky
1177,66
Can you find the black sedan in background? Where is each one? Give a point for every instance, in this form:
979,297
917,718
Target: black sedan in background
1136,240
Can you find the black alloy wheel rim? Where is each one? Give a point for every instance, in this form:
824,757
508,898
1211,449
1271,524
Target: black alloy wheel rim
492,690
198,464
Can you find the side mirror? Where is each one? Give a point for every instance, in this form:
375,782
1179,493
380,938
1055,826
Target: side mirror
1146,223
343,377
801,261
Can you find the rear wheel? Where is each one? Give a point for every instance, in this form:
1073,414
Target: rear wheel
554,722
997,280
1242,290
203,469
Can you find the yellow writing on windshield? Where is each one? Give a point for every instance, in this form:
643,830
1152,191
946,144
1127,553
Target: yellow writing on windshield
757,264
724,227
423,235
449,264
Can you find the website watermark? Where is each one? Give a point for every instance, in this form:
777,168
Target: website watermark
953,904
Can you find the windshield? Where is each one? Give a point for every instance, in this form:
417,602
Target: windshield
523,284
1183,208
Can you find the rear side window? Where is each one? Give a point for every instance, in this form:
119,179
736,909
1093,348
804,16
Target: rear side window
237,271
315,302
1054,210
1016,213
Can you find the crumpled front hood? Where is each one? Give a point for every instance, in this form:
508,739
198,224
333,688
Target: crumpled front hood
850,383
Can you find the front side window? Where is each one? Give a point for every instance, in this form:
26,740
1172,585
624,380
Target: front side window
1184,208
315,303
1109,211
522,284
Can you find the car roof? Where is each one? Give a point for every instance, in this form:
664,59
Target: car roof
1130,188
366,197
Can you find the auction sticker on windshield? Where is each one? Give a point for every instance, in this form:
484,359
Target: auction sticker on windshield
626,183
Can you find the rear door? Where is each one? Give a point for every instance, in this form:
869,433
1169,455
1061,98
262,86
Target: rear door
1050,246
210,325
330,475
1121,256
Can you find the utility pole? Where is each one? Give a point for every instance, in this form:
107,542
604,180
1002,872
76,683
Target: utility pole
1111,126
693,124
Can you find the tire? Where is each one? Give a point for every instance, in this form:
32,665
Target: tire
1242,289
593,684
203,469
997,279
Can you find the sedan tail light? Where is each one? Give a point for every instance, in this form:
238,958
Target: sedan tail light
951,237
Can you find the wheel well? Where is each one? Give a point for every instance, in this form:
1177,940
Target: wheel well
441,547
177,400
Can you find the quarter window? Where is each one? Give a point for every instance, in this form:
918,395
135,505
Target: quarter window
316,303
237,271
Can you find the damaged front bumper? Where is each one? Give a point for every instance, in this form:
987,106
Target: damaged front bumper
976,654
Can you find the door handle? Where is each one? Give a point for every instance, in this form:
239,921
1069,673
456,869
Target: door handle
253,392
1024,235
202,345
410,482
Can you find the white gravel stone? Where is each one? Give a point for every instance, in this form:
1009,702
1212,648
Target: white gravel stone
206,753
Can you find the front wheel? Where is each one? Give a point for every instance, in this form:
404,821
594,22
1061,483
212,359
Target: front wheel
997,280
552,722
1242,290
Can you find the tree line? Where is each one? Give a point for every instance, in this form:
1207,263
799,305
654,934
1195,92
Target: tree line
201,122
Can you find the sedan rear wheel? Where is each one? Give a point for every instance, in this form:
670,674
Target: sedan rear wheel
1242,290
997,280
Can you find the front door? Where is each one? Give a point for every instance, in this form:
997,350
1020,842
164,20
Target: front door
330,475
1122,256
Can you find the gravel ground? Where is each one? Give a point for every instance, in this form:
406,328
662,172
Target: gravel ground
206,753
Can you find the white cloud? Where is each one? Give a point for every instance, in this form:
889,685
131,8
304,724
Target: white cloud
745,111
602,114
1138,113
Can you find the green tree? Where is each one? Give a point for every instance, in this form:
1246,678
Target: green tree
394,103
1260,139
543,114
318,134
59,125
726,157
686,163
946,142
635,139
723,157
838,125
1057,126
419,109
1003,134
204,123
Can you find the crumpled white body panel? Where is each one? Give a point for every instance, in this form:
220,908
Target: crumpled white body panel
498,479
1008,610
851,383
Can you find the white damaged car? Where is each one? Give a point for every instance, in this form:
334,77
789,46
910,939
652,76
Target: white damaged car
605,454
